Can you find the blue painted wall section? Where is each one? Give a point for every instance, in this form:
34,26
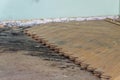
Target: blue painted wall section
32,9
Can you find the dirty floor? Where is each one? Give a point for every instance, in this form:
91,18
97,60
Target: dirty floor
21,58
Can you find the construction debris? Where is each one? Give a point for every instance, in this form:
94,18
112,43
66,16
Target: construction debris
29,23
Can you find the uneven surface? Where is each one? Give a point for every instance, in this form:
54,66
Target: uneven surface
92,44
21,58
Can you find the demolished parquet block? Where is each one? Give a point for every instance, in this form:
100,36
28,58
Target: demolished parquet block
94,45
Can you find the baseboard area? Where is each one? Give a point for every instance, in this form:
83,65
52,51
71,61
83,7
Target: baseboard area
33,22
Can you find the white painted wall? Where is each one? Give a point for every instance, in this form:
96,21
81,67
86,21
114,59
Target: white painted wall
32,9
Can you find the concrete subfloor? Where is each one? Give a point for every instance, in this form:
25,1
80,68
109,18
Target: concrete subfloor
21,58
